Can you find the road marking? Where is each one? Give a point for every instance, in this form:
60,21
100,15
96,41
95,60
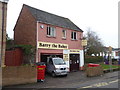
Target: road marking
101,84
87,87
114,81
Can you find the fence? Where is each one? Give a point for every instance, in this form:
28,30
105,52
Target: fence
14,57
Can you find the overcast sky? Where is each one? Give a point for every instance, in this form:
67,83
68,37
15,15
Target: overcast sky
99,15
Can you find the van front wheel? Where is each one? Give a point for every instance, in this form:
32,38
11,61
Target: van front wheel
53,74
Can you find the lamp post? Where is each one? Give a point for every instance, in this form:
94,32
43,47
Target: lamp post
110,60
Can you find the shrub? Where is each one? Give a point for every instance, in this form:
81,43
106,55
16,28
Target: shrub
93,59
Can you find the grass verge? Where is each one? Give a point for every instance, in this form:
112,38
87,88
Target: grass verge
108,66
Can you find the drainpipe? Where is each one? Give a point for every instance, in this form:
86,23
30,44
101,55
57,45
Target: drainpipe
37,43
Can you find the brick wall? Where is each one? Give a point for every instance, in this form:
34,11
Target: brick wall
73,44
18,75
25,28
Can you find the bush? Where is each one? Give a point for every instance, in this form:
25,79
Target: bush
93,59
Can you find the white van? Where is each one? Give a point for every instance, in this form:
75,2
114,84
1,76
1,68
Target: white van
56,66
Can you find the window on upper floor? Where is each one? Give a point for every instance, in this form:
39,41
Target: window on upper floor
51,31
74,35
64,34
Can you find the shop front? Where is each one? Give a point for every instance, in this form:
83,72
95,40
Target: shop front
75,59
72,57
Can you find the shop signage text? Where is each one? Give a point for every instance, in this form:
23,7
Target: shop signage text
74,51
66,57
84,42
48,45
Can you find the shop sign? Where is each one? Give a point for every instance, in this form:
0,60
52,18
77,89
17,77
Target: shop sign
84,42
48,45
65,57
74,51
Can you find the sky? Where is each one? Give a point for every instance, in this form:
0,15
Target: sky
101,16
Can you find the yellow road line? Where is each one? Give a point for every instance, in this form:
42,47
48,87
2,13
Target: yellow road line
87,87
100,84
114,81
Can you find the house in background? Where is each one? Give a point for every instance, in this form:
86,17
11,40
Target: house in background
115,53
52,35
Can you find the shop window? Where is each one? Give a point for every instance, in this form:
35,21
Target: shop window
74,35
64,34
51,31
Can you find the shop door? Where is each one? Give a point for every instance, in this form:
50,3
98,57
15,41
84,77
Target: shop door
74,62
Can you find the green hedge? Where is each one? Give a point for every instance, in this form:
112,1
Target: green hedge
93,59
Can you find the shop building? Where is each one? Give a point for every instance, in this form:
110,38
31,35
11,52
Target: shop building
52,35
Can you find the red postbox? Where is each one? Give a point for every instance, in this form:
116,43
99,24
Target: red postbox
41,71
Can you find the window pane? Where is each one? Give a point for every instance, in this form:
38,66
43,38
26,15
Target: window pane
72,35
47,30
50,31
64,33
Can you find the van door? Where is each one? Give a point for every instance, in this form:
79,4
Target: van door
50,66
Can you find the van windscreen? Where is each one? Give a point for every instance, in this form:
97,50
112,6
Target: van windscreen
58,61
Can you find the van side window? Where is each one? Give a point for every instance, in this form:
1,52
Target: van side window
50,61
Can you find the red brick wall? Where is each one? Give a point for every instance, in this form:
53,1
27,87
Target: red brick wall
73,44
25,29
14,57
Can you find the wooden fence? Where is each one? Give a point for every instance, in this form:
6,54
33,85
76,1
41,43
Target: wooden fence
14,57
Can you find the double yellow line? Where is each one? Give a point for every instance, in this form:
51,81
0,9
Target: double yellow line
100,84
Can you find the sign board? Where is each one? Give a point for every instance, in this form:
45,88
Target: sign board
74,51
66,57
110,49
84,42
48,45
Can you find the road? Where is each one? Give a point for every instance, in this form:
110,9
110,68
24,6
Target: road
110,80
76,80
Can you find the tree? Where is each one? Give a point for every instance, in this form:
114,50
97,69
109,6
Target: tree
94,45
9,42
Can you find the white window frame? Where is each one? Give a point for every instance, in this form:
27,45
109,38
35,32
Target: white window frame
51,31
72,37
64,34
